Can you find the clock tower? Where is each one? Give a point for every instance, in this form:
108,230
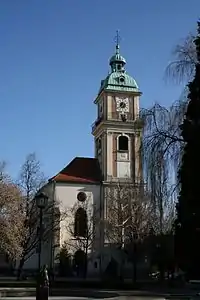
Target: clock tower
117,130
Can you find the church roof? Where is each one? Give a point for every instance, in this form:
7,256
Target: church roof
120,82
80,170
118,79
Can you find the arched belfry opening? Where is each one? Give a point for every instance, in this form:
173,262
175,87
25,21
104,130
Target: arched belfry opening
123,143
80,223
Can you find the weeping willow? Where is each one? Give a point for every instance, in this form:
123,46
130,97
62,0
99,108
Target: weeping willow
161,152
162,144
181,68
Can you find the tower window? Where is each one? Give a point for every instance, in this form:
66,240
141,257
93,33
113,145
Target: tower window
119,67
123,143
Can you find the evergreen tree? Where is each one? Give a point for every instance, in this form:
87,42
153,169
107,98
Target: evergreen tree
187,231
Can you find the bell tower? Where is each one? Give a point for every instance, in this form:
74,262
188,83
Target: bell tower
117,130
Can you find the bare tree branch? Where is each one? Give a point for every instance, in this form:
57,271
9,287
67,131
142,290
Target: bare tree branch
181,69
128,212
31,178
53,215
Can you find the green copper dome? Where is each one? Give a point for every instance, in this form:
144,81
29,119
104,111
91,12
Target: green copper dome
119,82
118,79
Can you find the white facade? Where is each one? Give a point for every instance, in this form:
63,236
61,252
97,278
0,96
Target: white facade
64,195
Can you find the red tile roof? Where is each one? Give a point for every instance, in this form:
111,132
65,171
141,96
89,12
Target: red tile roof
80,170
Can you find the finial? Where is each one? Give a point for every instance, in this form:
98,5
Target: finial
117,41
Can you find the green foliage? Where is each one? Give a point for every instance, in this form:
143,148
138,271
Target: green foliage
65,267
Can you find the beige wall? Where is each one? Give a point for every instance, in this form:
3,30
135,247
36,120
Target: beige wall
66,195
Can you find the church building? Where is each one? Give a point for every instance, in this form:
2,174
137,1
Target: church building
117,133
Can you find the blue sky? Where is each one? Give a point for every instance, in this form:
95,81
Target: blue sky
53,55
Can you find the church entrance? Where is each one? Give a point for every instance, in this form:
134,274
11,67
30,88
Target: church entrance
80,263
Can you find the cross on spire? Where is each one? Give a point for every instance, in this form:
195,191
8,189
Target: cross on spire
117,41
117,38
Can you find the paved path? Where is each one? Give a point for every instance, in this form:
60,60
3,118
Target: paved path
120,295
50,298
85,298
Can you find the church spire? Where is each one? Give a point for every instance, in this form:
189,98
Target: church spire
118,78
117,61
117,40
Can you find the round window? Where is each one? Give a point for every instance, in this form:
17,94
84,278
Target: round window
81,196
121,79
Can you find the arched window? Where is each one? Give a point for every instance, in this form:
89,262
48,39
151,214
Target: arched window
80,259
123,143
80,223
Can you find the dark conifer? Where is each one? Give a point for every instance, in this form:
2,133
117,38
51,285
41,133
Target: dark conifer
187,232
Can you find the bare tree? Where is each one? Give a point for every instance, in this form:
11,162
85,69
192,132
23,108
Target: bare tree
53,215
181,68
130,217
11,216
31,178
128,211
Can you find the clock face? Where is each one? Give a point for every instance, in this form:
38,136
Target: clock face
122,104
